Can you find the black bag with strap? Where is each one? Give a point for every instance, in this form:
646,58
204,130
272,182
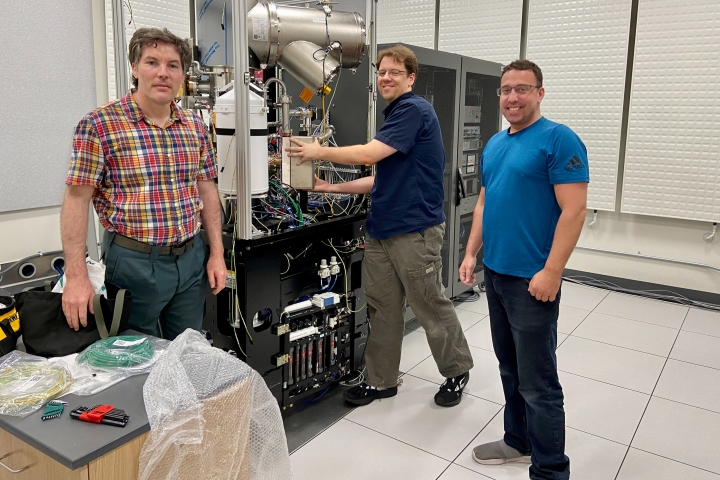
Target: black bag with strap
9,325
45,329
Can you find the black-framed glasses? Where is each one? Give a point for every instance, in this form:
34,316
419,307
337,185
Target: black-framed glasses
519,89
392,73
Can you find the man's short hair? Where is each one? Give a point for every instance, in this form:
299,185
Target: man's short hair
401,54
153,36
525,65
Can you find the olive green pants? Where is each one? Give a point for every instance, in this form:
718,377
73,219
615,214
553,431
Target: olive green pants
409,266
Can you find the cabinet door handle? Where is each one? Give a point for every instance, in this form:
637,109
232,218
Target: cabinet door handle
10,469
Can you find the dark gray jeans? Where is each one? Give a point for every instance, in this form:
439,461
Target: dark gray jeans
410,265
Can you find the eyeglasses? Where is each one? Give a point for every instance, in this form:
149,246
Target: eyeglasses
519,89
392,73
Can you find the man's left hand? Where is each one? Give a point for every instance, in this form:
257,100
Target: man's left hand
217,273
304,152
544,285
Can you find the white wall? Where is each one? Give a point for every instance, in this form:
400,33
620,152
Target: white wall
26,232
652,236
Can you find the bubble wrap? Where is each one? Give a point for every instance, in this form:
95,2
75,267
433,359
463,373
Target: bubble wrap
211,417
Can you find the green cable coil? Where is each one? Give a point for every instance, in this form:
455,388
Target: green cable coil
118,352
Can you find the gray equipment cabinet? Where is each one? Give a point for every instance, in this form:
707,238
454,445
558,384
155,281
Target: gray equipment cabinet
479,120
462,90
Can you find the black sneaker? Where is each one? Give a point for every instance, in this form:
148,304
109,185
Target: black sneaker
364,394
450,392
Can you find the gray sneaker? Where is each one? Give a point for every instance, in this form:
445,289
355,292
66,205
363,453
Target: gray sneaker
497,453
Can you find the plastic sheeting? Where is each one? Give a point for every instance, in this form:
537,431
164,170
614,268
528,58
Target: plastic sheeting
211,417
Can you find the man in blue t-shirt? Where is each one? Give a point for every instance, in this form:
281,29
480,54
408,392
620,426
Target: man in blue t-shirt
528,218
405,228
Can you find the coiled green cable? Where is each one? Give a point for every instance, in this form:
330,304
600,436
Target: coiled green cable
118,352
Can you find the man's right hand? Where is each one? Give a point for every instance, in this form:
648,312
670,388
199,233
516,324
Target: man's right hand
467,269
321,186
77,299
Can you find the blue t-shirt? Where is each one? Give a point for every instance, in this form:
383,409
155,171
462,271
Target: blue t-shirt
518,172
408,192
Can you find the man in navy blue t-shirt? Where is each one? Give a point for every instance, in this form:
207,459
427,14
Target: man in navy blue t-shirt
529,216
405,228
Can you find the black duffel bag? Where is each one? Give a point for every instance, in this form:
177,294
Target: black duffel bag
46,332
9,325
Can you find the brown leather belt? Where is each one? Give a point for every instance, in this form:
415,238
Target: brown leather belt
141,247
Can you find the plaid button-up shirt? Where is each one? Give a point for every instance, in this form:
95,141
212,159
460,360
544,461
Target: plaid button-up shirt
145,176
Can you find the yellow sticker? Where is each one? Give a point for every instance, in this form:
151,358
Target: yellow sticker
2,334
306,95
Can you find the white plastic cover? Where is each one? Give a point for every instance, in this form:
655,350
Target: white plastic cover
211,417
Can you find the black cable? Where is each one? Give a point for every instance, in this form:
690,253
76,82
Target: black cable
673,297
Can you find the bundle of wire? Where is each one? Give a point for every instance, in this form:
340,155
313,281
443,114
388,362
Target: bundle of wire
112,353
26,387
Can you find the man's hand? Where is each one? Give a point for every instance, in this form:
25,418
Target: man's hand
467,269
217,273
304,152
321,186
544,285
77,299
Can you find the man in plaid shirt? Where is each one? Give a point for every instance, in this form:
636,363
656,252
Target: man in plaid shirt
149,168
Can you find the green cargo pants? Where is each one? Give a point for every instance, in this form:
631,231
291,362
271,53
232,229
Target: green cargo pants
409,266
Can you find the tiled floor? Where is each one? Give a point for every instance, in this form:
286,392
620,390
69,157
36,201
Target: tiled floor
642,395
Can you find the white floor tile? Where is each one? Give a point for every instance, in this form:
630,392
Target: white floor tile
679,432
468,319
415,349
455,472
643,310
591,457
479,335
600,409
639,465
632,334
696,348
702,321
412,417
484,376
561,337
365,453
691,384
570,318
479,306
610,364
580,296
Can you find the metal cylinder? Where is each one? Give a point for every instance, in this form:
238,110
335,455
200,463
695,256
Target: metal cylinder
308,64
272,28
220,76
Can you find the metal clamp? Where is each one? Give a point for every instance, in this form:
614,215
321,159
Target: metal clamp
10,469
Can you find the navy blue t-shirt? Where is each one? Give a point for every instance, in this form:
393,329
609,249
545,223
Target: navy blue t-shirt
408,192
521,212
